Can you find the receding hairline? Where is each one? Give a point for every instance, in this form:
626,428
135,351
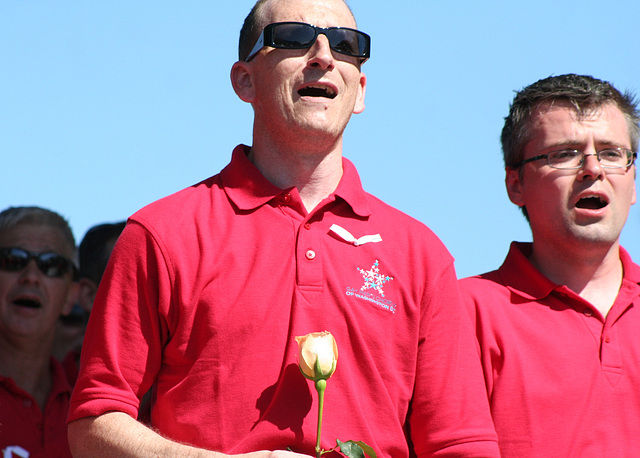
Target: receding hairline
257,19
66,249
13,217
263,6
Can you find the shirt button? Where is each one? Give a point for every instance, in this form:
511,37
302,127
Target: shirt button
307,226
587,312
286,198
310,254
607,339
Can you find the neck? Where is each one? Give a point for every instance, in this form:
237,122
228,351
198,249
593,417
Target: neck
314,171
594,273
29,368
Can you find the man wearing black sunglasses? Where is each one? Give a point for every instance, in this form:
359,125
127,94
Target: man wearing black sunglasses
207,289
37,271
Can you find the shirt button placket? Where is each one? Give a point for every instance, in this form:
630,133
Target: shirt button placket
310,270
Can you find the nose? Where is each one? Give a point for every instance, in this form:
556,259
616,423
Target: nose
31,272
320,53
591,167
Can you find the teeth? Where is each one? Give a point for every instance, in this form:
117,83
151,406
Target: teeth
322,88
330,92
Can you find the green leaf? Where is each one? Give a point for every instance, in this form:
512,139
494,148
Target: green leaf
356,449
351,449
367,449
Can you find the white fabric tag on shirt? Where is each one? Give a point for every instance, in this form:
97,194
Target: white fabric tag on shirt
348,237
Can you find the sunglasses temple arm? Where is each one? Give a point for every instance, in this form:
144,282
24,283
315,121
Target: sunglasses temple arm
259,45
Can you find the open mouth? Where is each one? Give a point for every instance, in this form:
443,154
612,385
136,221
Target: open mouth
592,203
317,91
28,303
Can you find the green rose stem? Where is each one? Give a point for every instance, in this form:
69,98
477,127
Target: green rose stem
320,387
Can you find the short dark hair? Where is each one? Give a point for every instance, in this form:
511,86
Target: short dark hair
584,92
250,30
95,249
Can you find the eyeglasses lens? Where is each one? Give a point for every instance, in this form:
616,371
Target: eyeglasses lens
300,36
613,158
50,264
294,36
345,42
572,159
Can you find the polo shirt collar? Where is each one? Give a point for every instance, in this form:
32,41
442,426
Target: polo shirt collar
630,288
524,279
631,270
248,189
243,182
350,189
60,383
521,276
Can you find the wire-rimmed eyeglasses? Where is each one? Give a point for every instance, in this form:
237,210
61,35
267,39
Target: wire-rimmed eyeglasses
610,158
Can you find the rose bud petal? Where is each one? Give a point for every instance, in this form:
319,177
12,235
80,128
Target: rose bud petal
317,355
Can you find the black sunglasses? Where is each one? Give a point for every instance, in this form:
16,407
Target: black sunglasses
51,264
299,35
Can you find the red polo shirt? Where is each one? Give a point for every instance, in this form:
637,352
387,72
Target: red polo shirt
27,431
206,290
562,380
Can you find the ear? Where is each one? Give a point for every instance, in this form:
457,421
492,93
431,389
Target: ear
513,182
359,106
72,298
242,81
87,290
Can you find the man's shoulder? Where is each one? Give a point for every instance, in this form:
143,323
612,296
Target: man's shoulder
395,217
488,286
178,205
514,267
479,284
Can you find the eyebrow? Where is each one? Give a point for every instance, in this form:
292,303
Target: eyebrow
577,145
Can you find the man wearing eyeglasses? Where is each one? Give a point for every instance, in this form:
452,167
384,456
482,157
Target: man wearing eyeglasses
207,289
558,322
37,271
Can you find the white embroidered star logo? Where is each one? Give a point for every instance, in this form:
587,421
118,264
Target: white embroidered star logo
373,279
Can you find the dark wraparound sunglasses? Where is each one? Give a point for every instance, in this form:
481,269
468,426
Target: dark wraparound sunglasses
51,264
298,35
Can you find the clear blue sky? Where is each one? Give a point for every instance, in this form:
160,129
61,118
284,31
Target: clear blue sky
107,106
